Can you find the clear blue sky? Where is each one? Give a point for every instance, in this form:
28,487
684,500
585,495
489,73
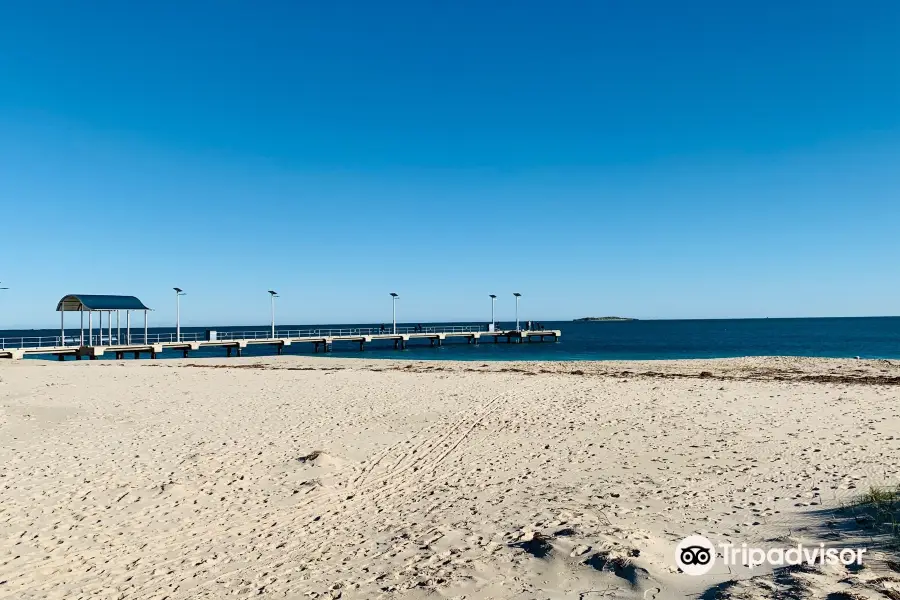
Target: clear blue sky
654,159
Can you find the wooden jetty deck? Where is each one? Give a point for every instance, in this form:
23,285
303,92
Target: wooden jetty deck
234,342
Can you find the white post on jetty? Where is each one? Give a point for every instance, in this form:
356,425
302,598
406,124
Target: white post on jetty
109,326
128,326
90,328
118,330
178,295
81,336
517,295
493,322
394,297
62,328
146,337
274,295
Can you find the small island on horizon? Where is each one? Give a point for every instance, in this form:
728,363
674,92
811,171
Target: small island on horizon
585,319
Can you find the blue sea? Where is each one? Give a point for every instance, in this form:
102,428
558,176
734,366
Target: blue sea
871,337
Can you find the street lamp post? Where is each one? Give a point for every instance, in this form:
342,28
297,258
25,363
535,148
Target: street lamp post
493,322
517,295
394,297
274,295
178,294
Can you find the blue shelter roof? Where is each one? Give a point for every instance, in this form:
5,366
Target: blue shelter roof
76,302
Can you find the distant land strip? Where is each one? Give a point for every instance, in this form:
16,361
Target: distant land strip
584,319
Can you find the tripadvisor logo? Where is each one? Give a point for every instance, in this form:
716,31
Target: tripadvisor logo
696,555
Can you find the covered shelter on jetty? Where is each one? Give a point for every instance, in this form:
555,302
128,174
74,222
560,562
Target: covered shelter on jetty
94,303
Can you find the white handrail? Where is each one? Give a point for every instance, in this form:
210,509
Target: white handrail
104,339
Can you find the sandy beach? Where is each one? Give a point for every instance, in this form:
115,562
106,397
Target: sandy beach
300,477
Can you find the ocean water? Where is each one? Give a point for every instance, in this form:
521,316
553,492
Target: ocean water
871,337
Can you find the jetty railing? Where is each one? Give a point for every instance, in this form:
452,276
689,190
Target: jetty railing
137,336
50,341
265,334
55,341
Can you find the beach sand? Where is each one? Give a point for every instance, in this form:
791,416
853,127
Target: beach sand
301,477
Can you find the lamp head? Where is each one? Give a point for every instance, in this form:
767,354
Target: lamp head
395,295
178,290
493,295
274,293
516,294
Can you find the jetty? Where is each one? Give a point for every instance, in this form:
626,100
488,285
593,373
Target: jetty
113,342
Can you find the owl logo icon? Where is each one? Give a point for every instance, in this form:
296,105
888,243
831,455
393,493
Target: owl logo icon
695,555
